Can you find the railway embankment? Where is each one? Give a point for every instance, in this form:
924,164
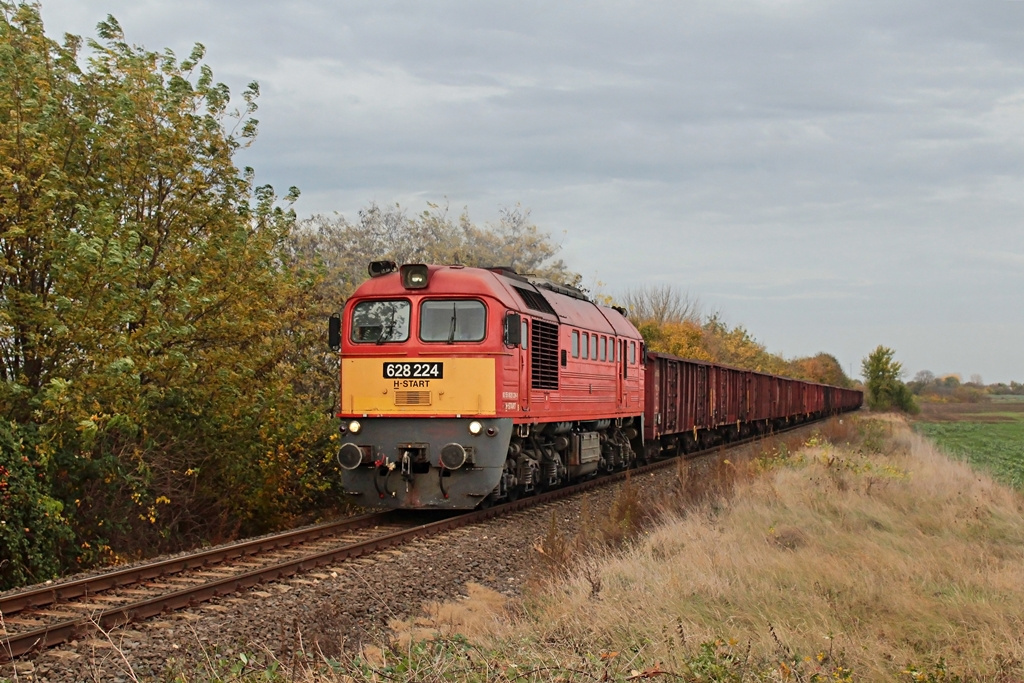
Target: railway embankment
854,550
866,554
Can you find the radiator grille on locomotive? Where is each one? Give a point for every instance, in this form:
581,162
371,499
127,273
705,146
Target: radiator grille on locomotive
412,398
544,355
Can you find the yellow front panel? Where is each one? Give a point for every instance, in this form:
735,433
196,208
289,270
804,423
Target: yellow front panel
465,387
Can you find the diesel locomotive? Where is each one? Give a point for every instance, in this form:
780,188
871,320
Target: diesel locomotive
462,386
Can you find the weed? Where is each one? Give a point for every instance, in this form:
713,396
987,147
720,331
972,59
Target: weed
555,549
874,436
628,515
703,484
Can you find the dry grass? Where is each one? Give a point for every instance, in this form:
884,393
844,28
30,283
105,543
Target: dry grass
476,613
860,553
834,559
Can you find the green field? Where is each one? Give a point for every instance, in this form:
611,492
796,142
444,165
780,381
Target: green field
988,435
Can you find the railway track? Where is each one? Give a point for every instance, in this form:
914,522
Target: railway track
47,615
44,616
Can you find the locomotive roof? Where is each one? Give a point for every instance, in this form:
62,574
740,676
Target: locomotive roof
533,296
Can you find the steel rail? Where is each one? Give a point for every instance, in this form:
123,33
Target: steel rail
47,594
53,634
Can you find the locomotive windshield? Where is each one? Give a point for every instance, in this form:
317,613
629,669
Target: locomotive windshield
377,322
453,320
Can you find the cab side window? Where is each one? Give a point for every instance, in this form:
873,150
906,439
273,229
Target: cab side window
452,320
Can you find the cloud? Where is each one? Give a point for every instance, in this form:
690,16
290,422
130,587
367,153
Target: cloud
1005,258
842,173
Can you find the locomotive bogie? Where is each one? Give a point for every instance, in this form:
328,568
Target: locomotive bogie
547,455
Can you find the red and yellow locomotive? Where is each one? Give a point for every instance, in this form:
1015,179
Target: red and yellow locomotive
464,385
467,385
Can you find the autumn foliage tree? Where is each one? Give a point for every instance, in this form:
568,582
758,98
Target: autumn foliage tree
822,368
148,316
671,322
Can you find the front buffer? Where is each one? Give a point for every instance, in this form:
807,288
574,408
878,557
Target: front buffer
424,463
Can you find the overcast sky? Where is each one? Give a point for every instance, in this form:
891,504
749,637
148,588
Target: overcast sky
833,175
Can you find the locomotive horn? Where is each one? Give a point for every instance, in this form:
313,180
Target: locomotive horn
378,268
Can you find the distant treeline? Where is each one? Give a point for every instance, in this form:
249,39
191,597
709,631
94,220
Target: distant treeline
949,388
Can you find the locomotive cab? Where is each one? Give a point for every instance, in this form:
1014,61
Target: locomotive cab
420,358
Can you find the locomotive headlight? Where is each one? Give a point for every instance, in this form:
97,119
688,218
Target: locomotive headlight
475,427
414,275
354,426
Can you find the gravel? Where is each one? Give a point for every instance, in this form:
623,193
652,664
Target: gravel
331,610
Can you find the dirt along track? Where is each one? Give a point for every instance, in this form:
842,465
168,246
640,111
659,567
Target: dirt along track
437,570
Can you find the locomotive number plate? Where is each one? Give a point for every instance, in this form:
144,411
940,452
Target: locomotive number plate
433,370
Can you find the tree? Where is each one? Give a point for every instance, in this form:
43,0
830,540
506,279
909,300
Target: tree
882,375
684,339
33,529
736,346
660,305
151,325
823,368
922,382
387,233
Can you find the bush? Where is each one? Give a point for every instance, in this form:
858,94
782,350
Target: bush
33,530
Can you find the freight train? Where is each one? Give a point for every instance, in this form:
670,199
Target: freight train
466,386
